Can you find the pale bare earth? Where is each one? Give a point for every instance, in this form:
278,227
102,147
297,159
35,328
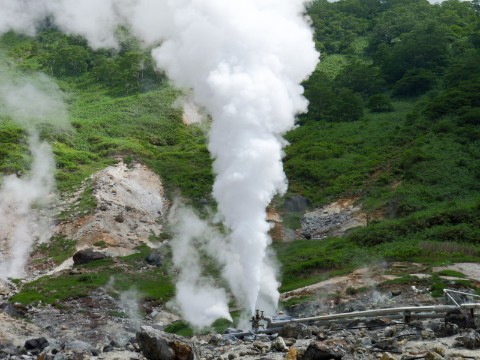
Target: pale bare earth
470,270
14,332
364,277
130,207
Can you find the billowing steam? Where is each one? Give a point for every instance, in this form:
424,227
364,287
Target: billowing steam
20,202
198,299
29,101
244,61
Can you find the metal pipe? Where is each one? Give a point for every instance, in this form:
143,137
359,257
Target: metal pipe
460,292
241,335
377,312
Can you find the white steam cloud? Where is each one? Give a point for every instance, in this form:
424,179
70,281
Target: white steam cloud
244,61
20,202
198,299
29,101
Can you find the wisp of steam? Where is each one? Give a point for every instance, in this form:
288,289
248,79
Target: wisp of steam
29,101
244,61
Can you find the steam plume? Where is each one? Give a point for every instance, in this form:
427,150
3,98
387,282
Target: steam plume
241,60
244,61
198,299
29,101
21,224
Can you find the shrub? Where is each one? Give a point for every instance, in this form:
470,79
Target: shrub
379,103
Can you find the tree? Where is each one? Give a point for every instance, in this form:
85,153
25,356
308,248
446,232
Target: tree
425,47
67,60
414,83
362,78
335,30
330,102
379,103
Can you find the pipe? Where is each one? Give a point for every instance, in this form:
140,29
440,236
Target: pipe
377,312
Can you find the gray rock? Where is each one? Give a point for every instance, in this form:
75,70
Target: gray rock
262,346
427,334
386,344
451,329
457,317
78,346
296,331
215,339
155,258
157,345
390,331
279,344
325,350
36,344
87,255
471,340
437,327
431,355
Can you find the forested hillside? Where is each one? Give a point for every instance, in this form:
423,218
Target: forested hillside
394,120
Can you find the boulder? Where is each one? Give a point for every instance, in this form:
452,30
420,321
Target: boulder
325,350
36,344
471,340
431,355
279,344
386,344
295,331
87,255
79,347
457,317
387,356
158,345
155,258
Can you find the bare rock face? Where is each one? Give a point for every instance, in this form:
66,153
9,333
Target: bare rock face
332,220
130,206
157,345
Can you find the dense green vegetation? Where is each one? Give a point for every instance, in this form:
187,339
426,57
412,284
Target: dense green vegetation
394,120
118,106
397,104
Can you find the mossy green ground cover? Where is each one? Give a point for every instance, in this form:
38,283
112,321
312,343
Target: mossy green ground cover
119,275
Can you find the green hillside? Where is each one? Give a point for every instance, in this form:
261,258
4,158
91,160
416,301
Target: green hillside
394,120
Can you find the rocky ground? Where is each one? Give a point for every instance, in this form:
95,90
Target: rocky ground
130,209
83,330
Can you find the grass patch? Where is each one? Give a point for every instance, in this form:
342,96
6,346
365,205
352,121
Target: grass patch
451,273
305,262
153,283
407,280
180,328
58,249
